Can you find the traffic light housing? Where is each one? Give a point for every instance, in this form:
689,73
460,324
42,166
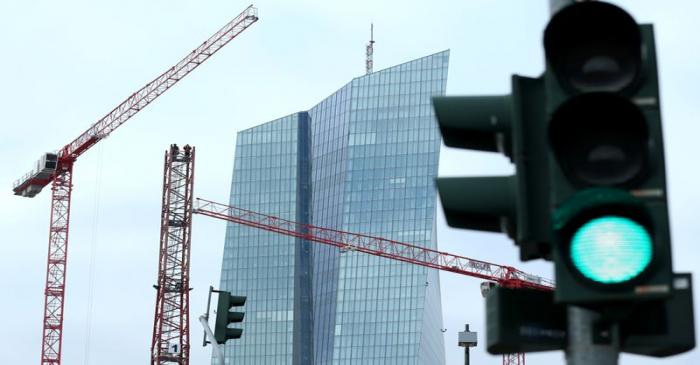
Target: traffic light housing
589,191
610,231
516,205
224,317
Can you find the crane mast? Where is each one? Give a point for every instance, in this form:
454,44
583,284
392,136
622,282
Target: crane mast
171,331
56,267
57,168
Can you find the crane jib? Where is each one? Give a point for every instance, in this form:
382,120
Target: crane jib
32,183
506,276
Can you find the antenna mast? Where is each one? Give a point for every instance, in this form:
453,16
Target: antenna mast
370,51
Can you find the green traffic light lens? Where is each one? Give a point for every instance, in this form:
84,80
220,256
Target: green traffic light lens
611,249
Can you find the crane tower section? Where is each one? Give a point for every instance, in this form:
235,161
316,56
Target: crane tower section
171,332
56,267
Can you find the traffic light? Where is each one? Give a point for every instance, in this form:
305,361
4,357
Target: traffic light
224,317
589,189
610,231
514,126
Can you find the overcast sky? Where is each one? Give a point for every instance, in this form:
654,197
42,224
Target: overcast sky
66,64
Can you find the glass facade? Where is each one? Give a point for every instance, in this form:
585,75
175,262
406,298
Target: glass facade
363,160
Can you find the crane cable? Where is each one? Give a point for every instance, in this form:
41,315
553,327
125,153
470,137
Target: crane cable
93,252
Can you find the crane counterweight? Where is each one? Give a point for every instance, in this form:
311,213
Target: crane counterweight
34,181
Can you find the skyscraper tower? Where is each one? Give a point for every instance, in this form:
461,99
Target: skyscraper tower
363,160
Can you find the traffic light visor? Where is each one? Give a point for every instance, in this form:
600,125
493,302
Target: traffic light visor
593,46
611,249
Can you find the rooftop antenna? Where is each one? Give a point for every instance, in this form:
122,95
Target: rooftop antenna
370,51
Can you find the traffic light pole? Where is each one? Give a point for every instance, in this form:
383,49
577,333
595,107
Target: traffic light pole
582,349
555,5
217,348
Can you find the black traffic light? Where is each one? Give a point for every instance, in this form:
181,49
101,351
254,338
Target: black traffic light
610,231
514,126
589,190
224,317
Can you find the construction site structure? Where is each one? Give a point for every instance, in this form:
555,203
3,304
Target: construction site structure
506,276
514,359
171,331
57,168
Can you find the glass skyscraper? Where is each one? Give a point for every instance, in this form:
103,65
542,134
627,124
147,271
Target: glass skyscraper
363,160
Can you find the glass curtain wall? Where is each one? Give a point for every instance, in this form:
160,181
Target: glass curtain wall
375,157
257,263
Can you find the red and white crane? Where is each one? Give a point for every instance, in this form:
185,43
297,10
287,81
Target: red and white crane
506,276
57,168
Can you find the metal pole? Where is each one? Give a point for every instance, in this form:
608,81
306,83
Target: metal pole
466,339
206,316
581,349
466,348
217,347
555,5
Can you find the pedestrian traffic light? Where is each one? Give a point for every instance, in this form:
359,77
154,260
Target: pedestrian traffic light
611,238
224,317
514,126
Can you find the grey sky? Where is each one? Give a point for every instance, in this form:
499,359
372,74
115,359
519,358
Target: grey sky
66,64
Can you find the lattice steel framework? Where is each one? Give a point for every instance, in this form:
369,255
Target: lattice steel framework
514,359
144,96
171,332
31,183
56,266
506,276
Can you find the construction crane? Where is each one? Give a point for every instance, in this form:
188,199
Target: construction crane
57,168
171,330
506,276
